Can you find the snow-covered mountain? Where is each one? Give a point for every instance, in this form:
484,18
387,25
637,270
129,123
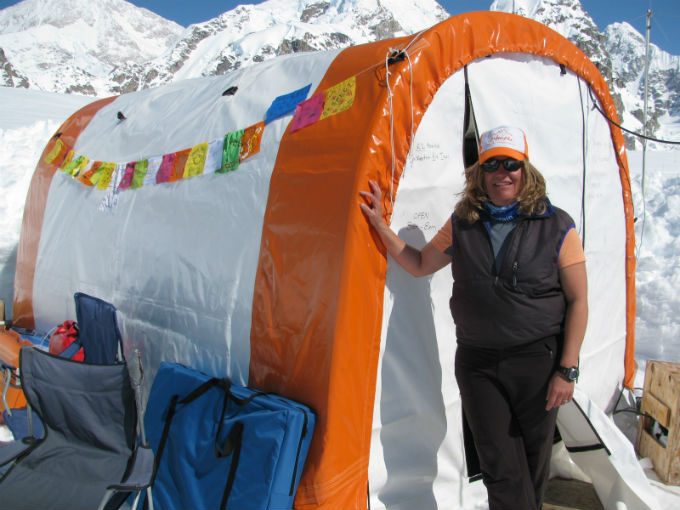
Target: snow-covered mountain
619,53
112,47
627,49
73,46
73,57
252,33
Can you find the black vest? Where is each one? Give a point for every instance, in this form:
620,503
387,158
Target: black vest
523,301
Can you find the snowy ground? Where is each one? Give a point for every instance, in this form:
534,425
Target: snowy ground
658,265
28,119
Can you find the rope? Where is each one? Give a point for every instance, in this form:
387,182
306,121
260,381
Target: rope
393,56
389,100
583,158
634,133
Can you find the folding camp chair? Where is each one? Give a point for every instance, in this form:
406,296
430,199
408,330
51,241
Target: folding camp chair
98,332
100,338
89,456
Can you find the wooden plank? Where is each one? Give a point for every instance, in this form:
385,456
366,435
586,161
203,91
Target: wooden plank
656,409
649,447
665,381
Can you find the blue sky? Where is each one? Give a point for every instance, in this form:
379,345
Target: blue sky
665,13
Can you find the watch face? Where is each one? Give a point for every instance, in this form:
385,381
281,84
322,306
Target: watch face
570,373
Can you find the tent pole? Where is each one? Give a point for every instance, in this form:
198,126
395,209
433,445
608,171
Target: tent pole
644,122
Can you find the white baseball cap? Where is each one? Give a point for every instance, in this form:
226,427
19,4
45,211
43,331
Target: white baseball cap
503,141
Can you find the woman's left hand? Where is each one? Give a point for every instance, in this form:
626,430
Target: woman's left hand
560,392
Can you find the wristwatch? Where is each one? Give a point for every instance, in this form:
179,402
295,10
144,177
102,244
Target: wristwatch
569,373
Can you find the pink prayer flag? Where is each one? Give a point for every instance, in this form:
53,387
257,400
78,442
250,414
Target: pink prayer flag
127,176
165,170
308,112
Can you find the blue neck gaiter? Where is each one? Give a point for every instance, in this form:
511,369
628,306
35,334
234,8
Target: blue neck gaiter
503,213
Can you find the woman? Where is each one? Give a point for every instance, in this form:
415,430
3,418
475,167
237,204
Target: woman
520,308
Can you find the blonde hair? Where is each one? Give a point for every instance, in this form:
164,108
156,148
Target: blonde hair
532,196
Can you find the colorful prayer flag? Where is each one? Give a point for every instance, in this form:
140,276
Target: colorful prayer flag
110,201
179,164
86,176
54,153
339,97
196,160
154,165
67,160
165,170
308,112
213,160
230,151
75,165
102,179
286,103
139,174
128,174
250,142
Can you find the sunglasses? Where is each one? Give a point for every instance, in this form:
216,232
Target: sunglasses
511,165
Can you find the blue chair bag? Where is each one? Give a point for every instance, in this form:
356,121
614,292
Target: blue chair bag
220,445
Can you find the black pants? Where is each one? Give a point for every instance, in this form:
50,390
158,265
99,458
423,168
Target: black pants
504,396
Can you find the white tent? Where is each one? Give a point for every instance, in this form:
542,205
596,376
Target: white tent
268,272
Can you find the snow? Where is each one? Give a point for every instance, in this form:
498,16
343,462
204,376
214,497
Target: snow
658,245
29,118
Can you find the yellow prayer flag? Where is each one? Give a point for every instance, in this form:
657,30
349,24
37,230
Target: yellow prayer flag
339,97
67,160
102,178
196,160
80,164
54,152
74,165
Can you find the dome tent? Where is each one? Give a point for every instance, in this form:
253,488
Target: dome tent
262,267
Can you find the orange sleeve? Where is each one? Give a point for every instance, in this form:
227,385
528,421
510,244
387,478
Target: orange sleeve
444,237
571,251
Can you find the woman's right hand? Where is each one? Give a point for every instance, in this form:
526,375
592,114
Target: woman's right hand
417,262
372,208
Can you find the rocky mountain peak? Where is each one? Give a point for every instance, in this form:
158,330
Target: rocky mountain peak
85,49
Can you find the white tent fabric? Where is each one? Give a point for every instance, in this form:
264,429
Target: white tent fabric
222,217
613,469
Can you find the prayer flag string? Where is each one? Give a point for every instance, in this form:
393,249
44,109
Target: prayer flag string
218,156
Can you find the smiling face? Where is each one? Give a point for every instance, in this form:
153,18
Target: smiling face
503,187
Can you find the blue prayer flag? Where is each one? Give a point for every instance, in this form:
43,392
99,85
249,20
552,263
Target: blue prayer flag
286,103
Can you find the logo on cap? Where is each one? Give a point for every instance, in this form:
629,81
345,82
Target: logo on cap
503,141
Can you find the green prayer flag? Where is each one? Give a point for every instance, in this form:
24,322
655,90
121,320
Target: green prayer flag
140,172
73,167
231,151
